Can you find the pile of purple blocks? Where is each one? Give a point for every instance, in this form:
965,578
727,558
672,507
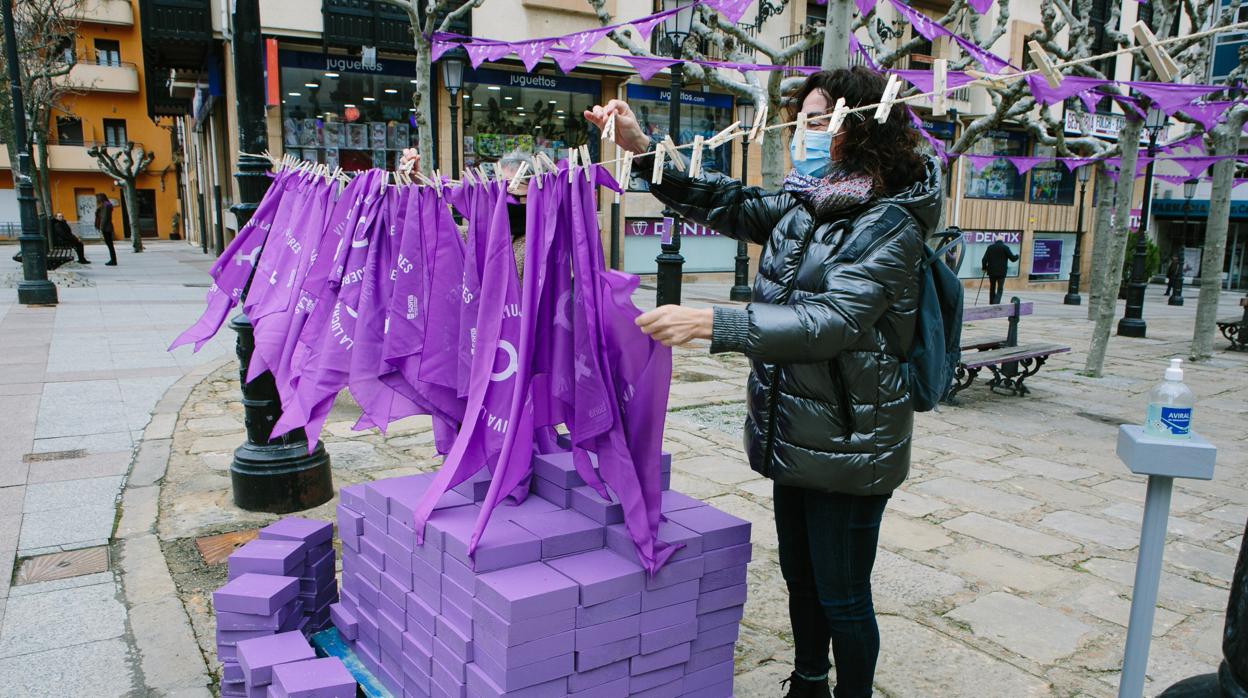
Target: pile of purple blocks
553,603
280,585
285,666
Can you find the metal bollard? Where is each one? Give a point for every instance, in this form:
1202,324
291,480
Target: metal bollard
1161,460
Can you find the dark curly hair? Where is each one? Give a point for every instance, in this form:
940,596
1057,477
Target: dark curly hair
888,152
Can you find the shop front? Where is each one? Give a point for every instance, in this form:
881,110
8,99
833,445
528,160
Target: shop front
704,249
1183,225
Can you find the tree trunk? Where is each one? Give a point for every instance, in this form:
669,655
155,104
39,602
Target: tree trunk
773,145
424,103
836,35
132,213
1101,234
1129,136
1225,142
39,178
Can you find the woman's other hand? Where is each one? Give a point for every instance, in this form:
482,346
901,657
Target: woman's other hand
628,133
674,325
410,161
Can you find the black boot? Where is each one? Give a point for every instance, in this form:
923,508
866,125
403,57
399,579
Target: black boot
803,688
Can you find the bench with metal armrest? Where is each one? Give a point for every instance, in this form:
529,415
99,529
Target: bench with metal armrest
1011,364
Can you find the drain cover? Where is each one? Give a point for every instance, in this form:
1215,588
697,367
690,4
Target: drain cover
54,455
216,549
75,563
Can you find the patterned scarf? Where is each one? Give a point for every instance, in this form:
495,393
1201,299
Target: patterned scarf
834,192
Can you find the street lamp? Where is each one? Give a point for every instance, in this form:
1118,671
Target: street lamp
670,263
1189,190
741,286
34,288
453,80
1132,323
1083,172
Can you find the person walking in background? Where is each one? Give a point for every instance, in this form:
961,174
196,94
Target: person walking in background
1173,272
104,224
62,236
996,264
829,411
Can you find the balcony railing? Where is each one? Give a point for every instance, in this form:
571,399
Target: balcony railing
102,76
355,23
658,45
65,155
811,56
113,12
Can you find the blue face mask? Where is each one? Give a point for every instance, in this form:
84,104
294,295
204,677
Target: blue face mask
818,154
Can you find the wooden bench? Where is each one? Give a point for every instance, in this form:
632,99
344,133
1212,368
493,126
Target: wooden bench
1011,364
56,256
1236,329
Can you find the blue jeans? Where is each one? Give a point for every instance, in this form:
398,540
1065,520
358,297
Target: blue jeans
827,549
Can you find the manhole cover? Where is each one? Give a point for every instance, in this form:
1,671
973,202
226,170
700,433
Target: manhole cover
75,563
216,549
54,455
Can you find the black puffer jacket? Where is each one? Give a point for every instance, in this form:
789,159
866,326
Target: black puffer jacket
833,316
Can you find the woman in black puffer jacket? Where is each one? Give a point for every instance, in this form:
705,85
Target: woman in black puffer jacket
833,316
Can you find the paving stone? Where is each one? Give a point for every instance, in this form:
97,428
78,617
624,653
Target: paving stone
1008,535
1011,572
352,455
150,462
98,491
976,497
918,661
138,511
1090,528
145,572
1175,525
1056,493
1234,514
109,441
912,504
761,681
91,465
976,470
1106,603
761,488
970,449
1202,634
1213,563
1134,491
1175,591
161,426
1167,666
1023,626
220,425
900,532
66,528
86,669
1030,465
85,580
168,653
898,581
53,619
726,471
211,444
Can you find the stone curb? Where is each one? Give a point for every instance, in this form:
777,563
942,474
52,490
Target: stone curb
170,660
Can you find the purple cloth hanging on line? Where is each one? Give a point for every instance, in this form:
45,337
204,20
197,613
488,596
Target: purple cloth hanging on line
979,162
1196,165
277,247
924,81
1170,97
980,6
1071,85
732,10
1207,114
647,67
532,52
864,6
1024,163
1189,143
1073,164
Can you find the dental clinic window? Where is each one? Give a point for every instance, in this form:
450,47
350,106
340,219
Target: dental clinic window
504,111
1051,182
999,179
701,113
340,113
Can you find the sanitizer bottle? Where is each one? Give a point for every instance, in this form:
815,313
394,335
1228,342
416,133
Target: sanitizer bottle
1170,406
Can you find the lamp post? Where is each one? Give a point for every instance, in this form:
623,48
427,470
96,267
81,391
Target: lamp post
1189,190
34,288
453,80
741,283
1083,172
670,263
273,475
1132,323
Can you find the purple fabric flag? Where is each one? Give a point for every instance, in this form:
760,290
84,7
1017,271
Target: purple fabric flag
1090,99
1170,97
937,145
479,53
1207,114
979,162
646,66
232,270
581,42
1141,164
1071,85
1130,106
864,7
991,62
565,59
1189,143
532,52
1172,179
856,47
980,6
646,25
437,48
265,276
444,263
923,80
1196,165
732,10
1024,163
1073,164
925,26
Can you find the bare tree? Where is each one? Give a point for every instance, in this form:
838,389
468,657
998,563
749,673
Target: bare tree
124,166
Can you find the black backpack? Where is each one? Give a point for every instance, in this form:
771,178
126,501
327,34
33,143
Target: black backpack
938,323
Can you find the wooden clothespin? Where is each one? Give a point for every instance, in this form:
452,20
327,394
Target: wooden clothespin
760,119
518,178
586,161
940,86
799,137
885,106
623,173
673,152
437,182
660,154
608,129
695,157
838,116
723,136
1044,64
544,160
1162,63
571,163
990,81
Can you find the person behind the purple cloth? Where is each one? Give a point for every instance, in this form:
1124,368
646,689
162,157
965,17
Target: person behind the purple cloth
829,414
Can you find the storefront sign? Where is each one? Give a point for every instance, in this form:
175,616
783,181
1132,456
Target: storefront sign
658,227
1198,208
943,130
558,83
330,63
663,94
1081,123
1046,256
987,237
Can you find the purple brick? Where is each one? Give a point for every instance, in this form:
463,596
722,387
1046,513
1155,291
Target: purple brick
395,587
350,521
431,595
389,609
276,557
612,689
527,591
456,595
669,615
669,596
352,497
719,690
419,610
603,655
586,501
709,658
399,496
416,686
669,636
316,551
690,543
487,622
401,531
447,658
369,632
714,619
719,529
608,610
375,521
671,689
418,648
319,599
583,680
299,529
449,682
443,520
606,633
675,501
233,688
562,532
602,575
665,481
721,598
530,506
427,573
345,621
476,487
528,675
371,551
458,572
653,661
559,469
314,678
480,685
231,672
526,653
710,676
727,577
258,656
368,590
651,679
322,567
259,594
552,493
456,639
229,638
675,572
723,635
391,634
457,617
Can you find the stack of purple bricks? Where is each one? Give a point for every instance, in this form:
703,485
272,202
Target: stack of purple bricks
253,607
553,603
318,584
285,666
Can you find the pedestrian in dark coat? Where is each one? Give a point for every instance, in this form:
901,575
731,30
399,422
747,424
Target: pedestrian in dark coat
104,224
996,264
62,236
1173,273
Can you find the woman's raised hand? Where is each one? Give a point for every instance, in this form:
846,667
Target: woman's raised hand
628,133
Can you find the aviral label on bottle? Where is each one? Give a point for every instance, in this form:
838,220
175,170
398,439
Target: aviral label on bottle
1174,421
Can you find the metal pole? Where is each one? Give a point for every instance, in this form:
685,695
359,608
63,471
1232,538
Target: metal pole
1132,323
615,228
1176,294
454,134
1147,578
278,475
1076,261
741,283
670,262
34,288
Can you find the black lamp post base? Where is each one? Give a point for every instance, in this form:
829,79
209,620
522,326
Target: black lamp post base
740,293
280,478
42,292
1072,299
1219,685
1132,327
1175,299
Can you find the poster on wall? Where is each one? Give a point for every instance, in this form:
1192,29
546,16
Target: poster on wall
357,136
377,135
1191,262
331,158
332,133
977,242
1046,257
